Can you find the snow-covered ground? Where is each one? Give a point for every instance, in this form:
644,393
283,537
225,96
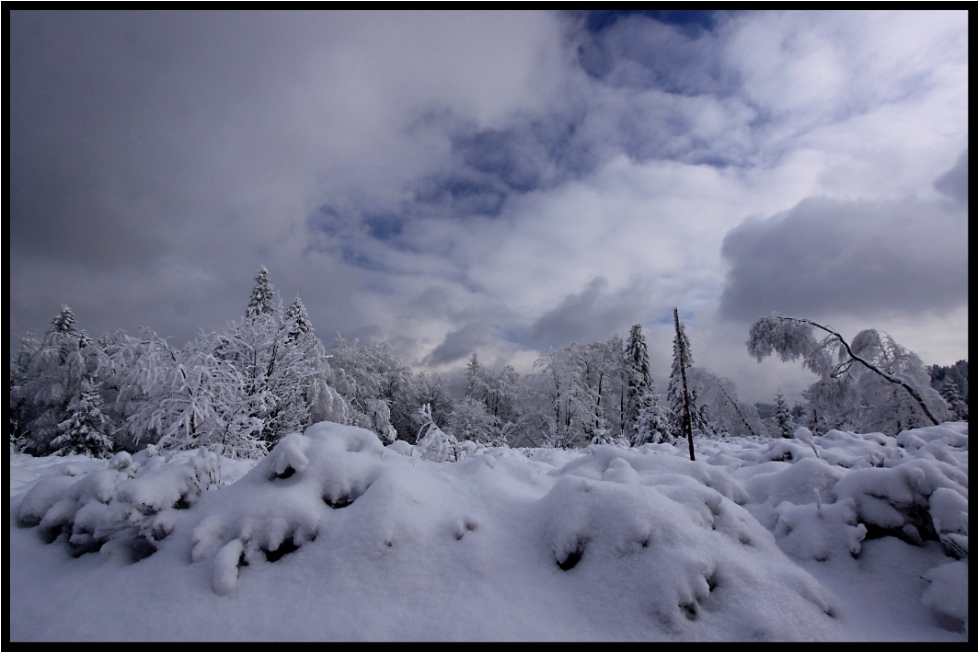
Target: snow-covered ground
334,536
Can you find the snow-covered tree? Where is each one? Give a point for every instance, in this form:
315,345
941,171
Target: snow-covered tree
718,410
469,421
194,399
20,400
502,396
883,385
651,425
275,372
312,367
674,392
64,322
473,378
85,431
378,386
951,382
121,353
283,365
828,403
262,300
147,385
883,404
784,425
432,391
642,420
571,400
957,401
47,376
603,382
296,320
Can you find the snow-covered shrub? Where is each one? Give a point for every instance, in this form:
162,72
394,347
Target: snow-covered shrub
818,531
123,500
434,443
896,501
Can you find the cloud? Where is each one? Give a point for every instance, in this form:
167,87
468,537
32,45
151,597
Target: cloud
593,314
827,256
152,141
460,344
954,182
495,180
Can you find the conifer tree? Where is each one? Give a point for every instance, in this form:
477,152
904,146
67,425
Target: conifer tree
474,386
282,363
641,414
48,377
297,320
782,416
64,322
305,365
262,296
84,432
675,389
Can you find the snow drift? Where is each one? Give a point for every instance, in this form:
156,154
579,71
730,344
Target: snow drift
334,536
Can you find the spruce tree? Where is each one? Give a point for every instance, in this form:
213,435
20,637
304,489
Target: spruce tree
675,390
47,377
474,385
64,322
262,296
782,416
297,320
84,432
640,414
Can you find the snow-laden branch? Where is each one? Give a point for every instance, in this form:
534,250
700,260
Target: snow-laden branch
791,338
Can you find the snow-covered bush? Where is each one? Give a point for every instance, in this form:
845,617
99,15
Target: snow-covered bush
127,500
433,443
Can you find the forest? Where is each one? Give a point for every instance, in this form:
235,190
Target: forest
268,375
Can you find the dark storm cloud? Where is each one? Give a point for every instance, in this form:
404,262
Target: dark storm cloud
828,256
592,315
459,344
954,182
137,165
62,105
153,153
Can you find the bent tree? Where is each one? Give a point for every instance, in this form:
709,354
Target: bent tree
832,356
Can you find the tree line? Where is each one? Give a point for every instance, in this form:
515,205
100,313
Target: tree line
267,375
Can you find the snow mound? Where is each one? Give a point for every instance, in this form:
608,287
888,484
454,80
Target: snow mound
703,550
674,528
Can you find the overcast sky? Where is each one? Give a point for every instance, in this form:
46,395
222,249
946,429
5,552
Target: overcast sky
498,182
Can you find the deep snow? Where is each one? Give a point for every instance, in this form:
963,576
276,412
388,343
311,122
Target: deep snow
334,536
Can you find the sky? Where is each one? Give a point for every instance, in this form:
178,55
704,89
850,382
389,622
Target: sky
335,537
497,182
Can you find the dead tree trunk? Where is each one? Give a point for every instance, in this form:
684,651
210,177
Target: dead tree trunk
687,418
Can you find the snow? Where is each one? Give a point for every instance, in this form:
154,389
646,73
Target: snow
334,536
